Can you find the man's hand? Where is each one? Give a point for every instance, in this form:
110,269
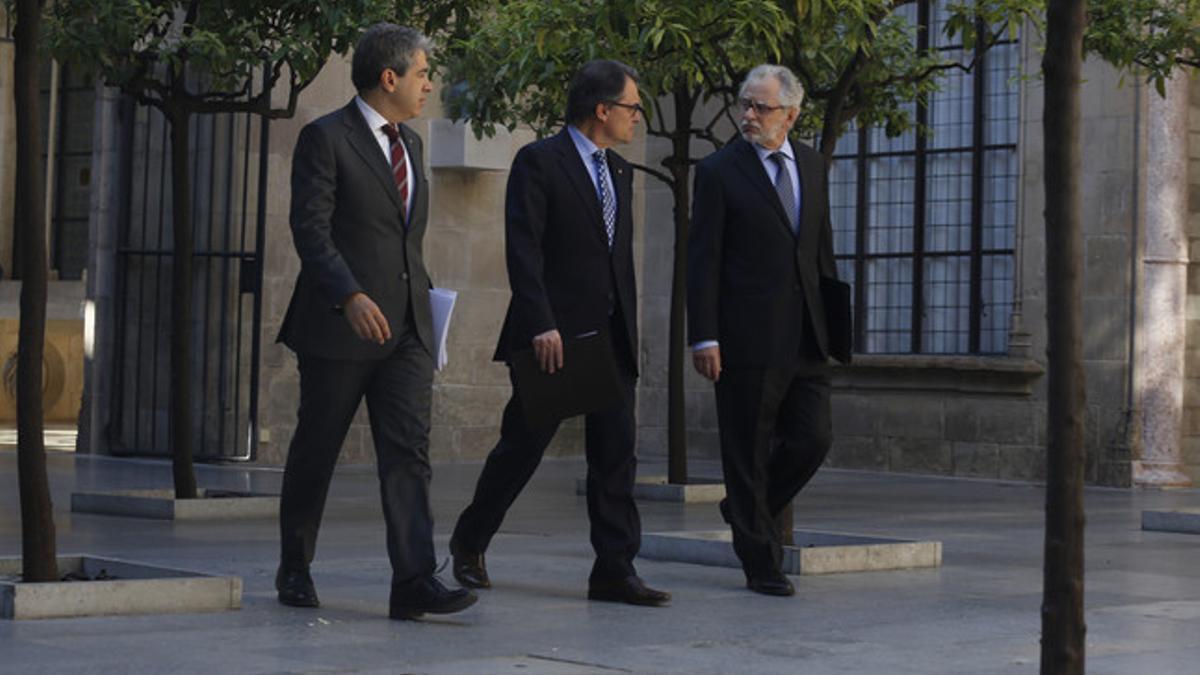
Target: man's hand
708,362
365,318
549,351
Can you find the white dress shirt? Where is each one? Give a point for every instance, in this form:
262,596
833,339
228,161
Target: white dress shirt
586,149
375,123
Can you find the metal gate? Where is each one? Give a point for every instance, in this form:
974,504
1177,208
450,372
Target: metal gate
229,168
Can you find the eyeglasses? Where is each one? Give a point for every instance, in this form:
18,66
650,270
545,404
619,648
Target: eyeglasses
759,107
635,107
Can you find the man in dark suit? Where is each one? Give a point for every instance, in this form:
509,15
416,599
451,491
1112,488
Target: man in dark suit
569,247
360,320
760,243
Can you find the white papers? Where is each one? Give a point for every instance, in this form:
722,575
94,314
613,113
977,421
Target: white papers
442,302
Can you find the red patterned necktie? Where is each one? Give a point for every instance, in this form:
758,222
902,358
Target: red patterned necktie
399,166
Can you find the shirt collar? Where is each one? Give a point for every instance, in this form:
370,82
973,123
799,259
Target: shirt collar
765,154
374,120
583,144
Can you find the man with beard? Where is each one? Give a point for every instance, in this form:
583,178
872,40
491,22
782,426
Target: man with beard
760,244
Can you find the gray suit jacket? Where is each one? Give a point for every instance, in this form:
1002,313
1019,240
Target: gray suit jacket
349,230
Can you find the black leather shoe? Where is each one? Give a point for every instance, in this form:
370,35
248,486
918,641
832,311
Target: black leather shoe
427,595
630,590
471,571
723,505
296,588
771,584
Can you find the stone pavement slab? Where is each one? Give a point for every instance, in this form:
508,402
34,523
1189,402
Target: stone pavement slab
977,613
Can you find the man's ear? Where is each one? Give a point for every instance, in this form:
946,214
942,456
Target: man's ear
601,112
387,79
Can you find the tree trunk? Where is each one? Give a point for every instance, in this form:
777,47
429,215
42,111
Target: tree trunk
679,163
38,555
182,466
1063,628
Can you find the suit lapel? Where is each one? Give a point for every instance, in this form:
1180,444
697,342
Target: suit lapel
810,181
580,179
618,166
363,141
416,179
751,166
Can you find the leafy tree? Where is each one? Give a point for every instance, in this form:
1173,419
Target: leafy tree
1062,588
39,560
190,57
1151,39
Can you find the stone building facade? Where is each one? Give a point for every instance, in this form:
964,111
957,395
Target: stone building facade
974,407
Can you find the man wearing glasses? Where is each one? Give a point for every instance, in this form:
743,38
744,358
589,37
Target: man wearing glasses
760,242
569,246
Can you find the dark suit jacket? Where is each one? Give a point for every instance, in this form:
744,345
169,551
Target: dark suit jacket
559,267
348,226
753,284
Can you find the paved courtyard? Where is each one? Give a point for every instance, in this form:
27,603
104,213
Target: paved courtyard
978,613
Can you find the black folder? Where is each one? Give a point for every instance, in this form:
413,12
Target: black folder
836,297
588,381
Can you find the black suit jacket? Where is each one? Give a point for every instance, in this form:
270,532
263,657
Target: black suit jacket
349,229
559,266
753,284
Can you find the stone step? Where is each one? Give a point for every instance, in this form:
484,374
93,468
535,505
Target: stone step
1185,521
656,489
814,552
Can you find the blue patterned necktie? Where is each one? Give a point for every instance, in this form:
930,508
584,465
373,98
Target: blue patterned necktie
783,186
608,201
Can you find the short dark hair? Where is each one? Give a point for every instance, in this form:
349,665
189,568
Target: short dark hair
598,81
385,45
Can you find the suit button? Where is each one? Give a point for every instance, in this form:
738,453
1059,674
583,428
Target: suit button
404,276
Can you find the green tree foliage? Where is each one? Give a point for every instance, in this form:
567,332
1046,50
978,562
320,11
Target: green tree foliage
1151,38
189,57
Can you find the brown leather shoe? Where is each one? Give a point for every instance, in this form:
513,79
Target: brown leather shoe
471,571
631,590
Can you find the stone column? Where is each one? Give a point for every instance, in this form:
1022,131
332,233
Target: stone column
1161,328
99,303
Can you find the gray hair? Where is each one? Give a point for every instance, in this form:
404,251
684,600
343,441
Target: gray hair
385,45
791,92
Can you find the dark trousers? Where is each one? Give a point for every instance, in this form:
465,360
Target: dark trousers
609,437
398,390
776,429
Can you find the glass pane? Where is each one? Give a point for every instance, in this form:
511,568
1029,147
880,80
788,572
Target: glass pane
952,109
948,202
946,293
905,142
999,199
939,12
847,144
890,194
1000,94
843,196
997,277
889,305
